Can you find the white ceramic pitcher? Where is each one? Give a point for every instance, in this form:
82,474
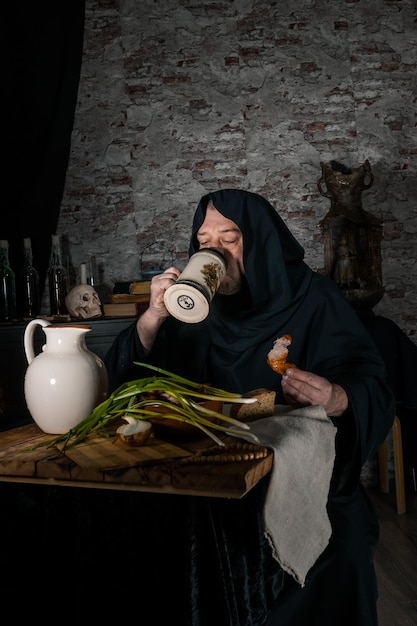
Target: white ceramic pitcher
66,380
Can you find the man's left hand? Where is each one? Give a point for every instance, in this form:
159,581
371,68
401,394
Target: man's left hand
301,388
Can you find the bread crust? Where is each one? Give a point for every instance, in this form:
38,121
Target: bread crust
263,408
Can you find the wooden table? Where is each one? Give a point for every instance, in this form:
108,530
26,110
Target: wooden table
159,466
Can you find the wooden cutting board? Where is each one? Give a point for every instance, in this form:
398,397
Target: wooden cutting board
159,466
105,454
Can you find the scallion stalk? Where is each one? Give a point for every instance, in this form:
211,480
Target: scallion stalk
131,399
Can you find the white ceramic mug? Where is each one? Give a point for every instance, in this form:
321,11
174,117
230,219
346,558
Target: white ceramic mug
189,298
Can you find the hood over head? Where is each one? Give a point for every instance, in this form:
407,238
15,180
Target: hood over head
276,275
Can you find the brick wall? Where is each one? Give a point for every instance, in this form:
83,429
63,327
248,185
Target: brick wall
183,96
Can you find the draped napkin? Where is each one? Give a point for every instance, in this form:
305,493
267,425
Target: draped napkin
297,525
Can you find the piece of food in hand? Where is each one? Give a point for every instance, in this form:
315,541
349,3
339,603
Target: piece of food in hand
277,357
263,407
135,432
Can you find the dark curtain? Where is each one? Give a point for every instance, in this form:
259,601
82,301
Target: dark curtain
42,55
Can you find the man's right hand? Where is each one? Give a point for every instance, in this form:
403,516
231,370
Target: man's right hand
150,322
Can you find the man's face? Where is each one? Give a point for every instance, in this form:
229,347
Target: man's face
224,235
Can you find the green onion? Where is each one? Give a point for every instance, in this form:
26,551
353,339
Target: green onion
137,398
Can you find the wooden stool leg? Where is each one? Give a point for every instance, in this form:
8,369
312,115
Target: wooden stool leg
383,468
398,466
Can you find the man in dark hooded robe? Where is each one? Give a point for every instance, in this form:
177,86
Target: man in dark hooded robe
213,552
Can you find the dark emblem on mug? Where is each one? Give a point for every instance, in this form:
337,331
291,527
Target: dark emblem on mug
185,302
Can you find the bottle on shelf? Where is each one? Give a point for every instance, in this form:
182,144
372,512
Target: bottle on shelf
7,285
28,300
57,279
83,274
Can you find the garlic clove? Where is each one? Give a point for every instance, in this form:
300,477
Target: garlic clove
135,432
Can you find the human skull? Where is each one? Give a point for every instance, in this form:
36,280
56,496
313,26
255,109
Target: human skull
83,301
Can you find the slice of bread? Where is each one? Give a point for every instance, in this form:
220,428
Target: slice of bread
264,407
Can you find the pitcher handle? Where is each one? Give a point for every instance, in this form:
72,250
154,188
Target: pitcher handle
28,337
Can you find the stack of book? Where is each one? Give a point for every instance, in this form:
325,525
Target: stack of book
129,304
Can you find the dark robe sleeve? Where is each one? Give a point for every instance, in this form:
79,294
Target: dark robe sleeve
180,348
335,344
121,357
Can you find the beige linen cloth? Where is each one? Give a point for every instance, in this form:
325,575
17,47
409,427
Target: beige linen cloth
296,521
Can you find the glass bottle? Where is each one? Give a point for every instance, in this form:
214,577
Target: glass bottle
7,285
57,279
29,296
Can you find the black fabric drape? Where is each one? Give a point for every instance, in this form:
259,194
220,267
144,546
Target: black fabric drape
102,551
400,358
42,55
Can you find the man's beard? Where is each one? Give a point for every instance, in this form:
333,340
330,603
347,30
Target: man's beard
230,286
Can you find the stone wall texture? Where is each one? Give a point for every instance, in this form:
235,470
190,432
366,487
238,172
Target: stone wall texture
182,97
